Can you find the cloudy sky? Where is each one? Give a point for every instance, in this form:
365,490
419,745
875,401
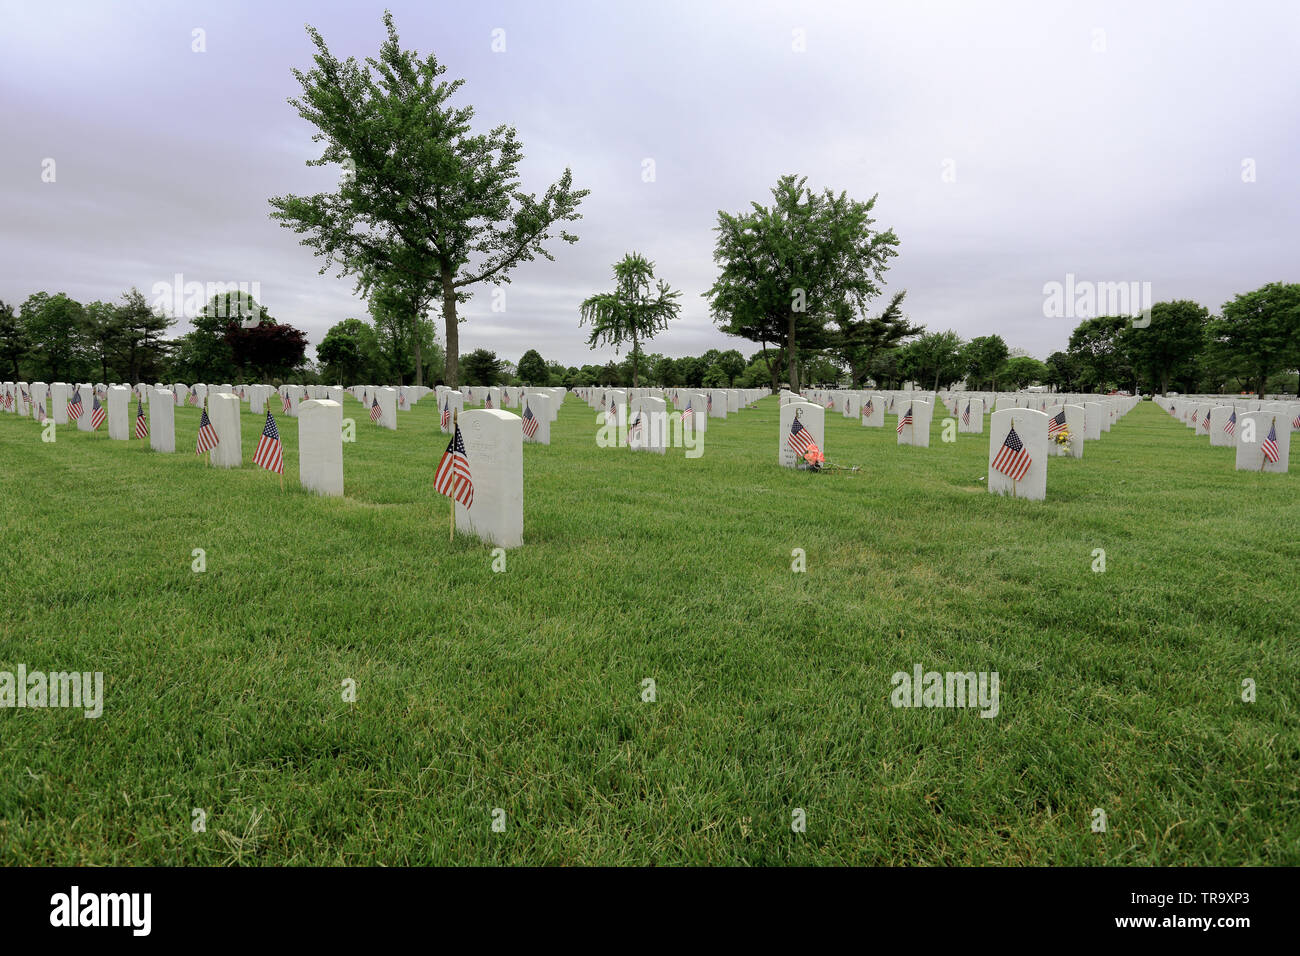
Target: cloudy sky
1011,144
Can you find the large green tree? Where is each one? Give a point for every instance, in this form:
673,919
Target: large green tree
639,307
983,357
935,359
1096,350
139,350
789,269
13,340
1262,328
54,325
1168,345
424,204
482,367
533,370
349,353
861,341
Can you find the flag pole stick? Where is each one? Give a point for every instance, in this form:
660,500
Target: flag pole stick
455,478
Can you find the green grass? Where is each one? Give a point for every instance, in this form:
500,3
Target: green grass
522,690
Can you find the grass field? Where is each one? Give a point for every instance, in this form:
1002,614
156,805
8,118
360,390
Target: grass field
522,690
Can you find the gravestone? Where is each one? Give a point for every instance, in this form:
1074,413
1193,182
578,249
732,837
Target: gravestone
1250,453
812,417
651,434
972,424
87,405
120,415
918,432
162,420
1031,429
1094,413
716,402
492,397
223,410
495,451
450,403
1075,418
320,447
872,410
387,408
539,406
40,398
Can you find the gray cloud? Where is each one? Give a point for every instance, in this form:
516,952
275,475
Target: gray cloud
1117,165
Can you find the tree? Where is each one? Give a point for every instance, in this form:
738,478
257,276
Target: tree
1061,372
732,364
268,349
13,340
54,327
789,269
424,205
982,358
349,353
633,312
1095,349
861,341
935,356
99,334
482,367
1022,370
138,345
1262,328
1169,344
533,370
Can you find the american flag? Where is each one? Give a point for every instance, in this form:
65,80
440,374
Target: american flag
1012,459
74,405
869,409
709,409
905,420
1196,415
611,416
1057,424
1270,443
602,401
9,399
285,404
453,478
800,438
96,414
376,412
270,453
40,412
1295,424
401,401
446,414
1230,426
487,402
965,416
141,423
1205,422
207,434
688,414
530,422
832,403
635,430
193,397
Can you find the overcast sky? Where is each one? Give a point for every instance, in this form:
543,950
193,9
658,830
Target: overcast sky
1010,144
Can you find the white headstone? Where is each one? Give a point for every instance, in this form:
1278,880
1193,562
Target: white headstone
918,432
1031,430
58,410
871,409
320,446
647,425
1094,415
539,406
162,420
224,412
971,423
494,447
1219,416
87,393
120,415
388,408
812,417
1075,417
1253,430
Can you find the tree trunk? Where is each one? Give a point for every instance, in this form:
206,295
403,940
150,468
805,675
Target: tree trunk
771,369
419,365
449,319
635,354
792,357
